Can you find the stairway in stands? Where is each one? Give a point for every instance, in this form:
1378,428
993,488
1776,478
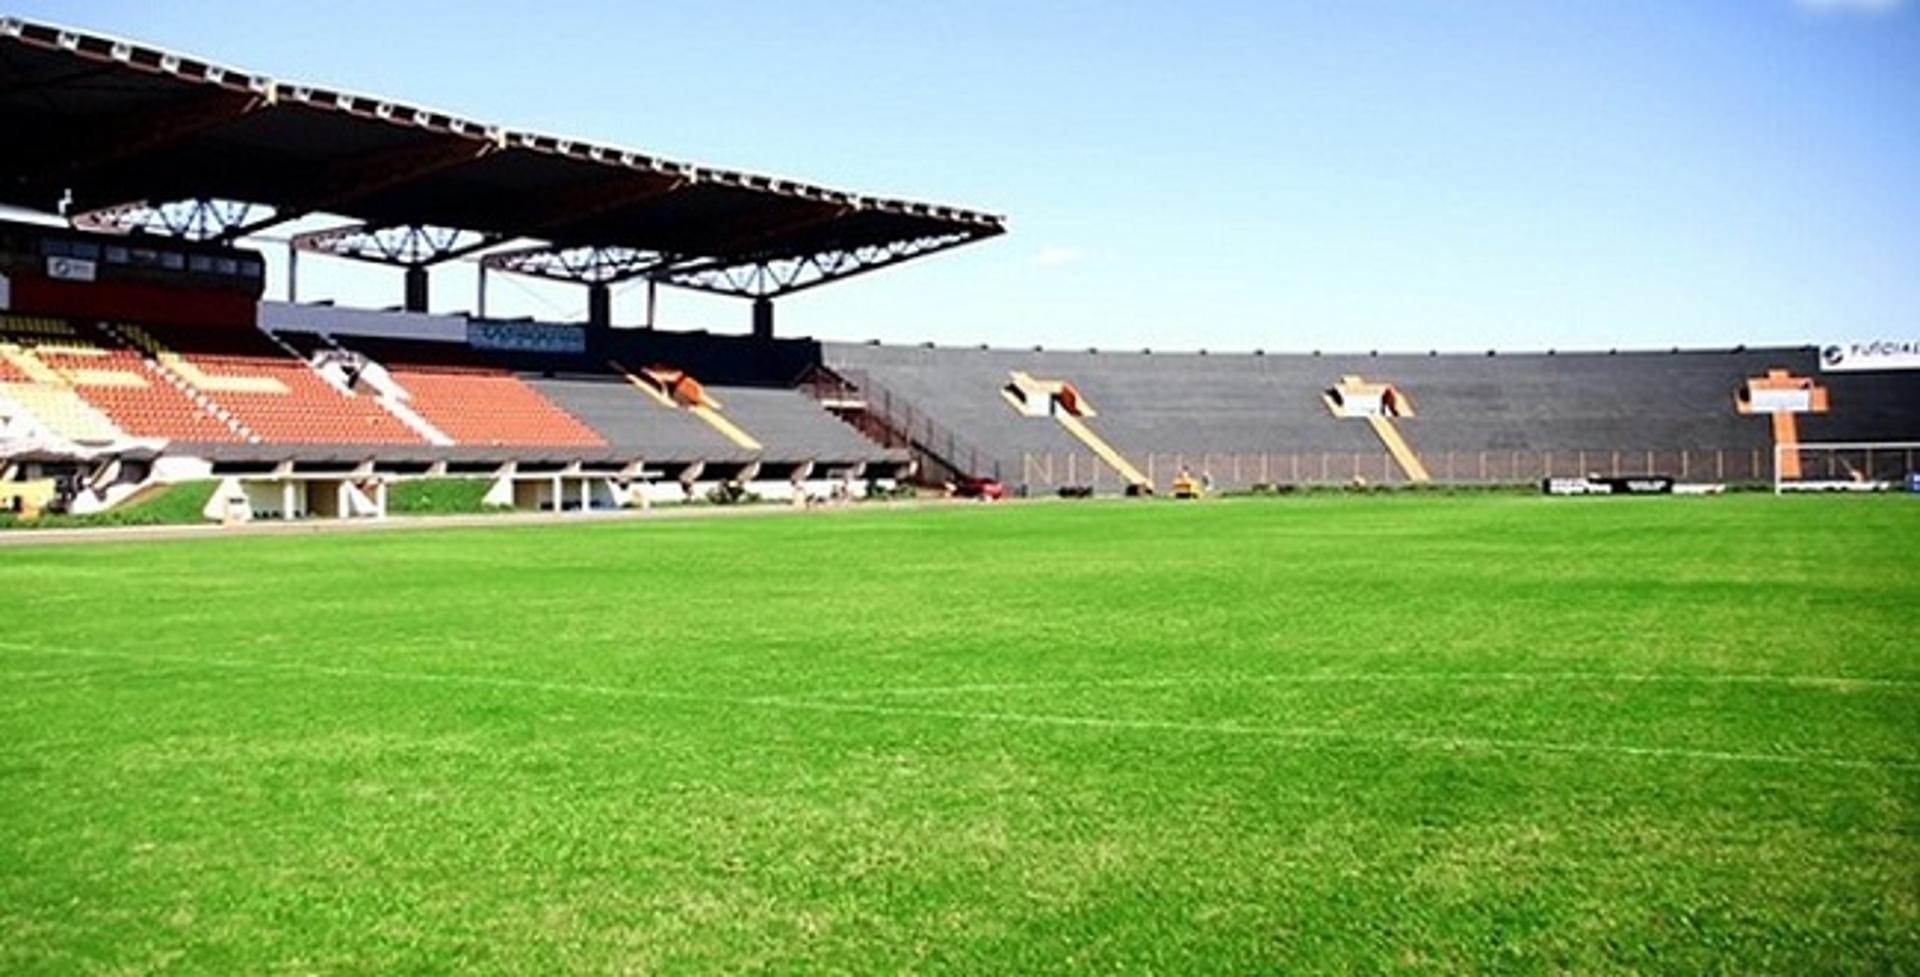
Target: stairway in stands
352,373
892,421
472,400
84,383
275,396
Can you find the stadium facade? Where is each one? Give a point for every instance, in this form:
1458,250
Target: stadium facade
137,347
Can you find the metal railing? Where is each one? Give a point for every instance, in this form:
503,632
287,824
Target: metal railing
1045,471
896,422
1812,464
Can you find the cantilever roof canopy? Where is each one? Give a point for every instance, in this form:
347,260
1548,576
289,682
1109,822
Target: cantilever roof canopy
110,126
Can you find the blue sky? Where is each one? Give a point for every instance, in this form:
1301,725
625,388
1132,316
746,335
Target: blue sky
1341,175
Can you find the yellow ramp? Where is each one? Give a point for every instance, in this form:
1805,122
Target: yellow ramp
1786,423
1786,434
707,412
727,429
1100,447
1397,446
643,386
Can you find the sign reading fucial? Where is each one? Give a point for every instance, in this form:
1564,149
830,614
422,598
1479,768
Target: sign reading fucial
1875,354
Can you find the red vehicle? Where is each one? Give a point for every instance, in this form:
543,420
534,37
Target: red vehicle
974,487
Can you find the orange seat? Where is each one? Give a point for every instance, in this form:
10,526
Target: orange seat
304,410
473,401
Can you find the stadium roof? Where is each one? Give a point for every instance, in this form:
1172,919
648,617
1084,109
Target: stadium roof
116,129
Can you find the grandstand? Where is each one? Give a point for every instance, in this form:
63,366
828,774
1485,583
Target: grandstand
140,326
140,329
1496,417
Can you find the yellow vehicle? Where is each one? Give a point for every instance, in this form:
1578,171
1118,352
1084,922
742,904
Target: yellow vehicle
27,499
1185,486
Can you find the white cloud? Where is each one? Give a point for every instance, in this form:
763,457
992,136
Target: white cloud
1053,256
1849,6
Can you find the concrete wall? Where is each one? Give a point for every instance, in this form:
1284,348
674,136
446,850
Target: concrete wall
339,321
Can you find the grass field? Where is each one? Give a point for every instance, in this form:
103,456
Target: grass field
177,504
1496,734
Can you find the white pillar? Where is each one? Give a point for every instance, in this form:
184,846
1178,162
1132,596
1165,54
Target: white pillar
286,499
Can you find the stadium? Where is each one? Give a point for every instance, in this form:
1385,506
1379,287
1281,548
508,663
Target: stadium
1019,658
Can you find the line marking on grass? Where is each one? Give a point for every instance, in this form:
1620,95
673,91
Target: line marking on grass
1321,736
1837,682
1333,736
54,676
346,671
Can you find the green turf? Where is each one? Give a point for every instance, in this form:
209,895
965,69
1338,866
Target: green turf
1438,735
440,496
180,503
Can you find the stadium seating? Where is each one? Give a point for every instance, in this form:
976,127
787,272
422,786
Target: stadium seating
63,362
1182,406
472,400
485,398
1862,406
63,411
629,419
238,394
791,424
1557,409
273,394
752,382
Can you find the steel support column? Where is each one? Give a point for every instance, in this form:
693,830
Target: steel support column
417,288
599,305
763,318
